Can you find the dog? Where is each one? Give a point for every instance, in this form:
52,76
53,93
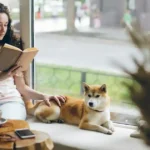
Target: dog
91,113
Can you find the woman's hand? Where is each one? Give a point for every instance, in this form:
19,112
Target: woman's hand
11,72
58,99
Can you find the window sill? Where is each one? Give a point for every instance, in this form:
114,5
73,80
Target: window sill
69,137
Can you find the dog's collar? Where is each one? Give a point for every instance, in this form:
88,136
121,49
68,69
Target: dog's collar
96,110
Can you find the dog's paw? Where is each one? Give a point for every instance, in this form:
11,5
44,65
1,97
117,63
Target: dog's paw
111,127
60,121
54,121
106,131
48,121
109,132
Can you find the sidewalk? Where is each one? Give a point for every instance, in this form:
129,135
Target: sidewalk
58,26
105,33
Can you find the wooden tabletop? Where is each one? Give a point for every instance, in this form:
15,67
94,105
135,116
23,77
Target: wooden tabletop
41,141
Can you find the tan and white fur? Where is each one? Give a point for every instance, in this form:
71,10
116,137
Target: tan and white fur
90,113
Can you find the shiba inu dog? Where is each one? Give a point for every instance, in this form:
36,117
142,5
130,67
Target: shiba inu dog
90,113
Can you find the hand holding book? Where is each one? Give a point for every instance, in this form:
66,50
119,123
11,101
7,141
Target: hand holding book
11,55
11,72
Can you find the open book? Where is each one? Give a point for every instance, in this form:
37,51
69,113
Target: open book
11,55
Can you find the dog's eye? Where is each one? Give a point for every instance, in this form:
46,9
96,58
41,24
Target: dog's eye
97,96
89,95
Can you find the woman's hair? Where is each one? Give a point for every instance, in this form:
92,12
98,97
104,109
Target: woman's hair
10,37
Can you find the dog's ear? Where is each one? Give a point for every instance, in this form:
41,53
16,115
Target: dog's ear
85,87
103,88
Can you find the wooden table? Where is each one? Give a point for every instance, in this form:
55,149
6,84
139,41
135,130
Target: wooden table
42,140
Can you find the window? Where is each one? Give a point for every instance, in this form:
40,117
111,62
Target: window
84,50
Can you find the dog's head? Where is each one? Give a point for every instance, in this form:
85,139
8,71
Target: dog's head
96,96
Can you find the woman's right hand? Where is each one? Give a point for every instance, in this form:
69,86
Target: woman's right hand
11,72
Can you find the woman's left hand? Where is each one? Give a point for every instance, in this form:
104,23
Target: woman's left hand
11,72
58,99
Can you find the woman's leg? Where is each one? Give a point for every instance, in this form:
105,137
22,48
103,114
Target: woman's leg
13,110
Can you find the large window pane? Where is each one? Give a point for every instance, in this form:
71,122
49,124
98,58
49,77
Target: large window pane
81,41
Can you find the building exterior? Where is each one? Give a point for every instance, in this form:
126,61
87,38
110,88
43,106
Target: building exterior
112,11
143,13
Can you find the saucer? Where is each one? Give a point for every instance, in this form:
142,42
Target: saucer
2,121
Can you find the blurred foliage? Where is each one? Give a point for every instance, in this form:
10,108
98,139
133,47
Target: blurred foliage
140,94
65,80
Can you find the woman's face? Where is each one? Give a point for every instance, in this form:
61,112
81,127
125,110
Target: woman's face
3,25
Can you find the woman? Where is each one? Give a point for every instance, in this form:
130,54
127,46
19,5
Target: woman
127,18
12,83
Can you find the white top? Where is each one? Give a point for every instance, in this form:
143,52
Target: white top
8,91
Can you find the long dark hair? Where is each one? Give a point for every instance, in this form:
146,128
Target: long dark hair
10,37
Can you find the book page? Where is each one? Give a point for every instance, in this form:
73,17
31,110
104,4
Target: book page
8,57
26,58
8,46
30,49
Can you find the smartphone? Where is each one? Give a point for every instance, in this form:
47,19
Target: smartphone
25,133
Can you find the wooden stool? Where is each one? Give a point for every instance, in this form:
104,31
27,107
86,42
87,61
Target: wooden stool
42,140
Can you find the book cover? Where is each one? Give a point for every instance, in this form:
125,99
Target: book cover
26,58
11,55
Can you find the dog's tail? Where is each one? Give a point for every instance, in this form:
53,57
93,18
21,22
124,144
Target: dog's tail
31,110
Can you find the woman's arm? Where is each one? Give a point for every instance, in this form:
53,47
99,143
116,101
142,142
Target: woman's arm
29,93
12,71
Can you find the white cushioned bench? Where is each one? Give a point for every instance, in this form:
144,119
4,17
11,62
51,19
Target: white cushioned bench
69,137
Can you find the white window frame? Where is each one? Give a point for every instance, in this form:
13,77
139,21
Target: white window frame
27,31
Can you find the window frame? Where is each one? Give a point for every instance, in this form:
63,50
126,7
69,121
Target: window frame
27,32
